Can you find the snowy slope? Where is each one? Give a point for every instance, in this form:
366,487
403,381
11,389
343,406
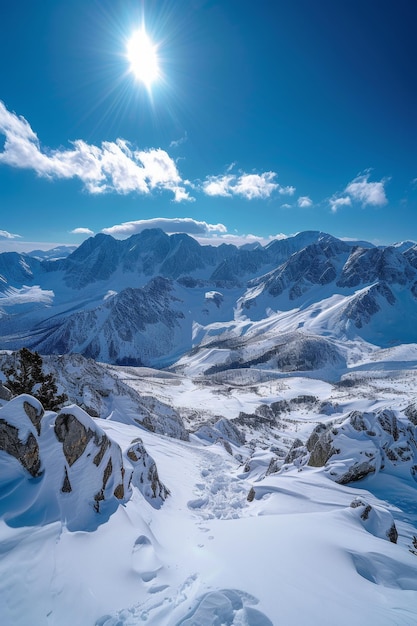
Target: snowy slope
244,537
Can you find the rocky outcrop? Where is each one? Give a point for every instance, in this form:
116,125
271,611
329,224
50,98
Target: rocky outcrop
5,394
221,430
94,387
65,467
145,474
361,445
18,434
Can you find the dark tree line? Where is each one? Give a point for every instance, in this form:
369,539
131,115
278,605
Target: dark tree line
27,376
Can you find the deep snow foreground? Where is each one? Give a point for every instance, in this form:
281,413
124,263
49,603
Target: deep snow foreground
299,551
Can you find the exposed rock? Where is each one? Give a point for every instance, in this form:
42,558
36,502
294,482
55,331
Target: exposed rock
362,444
375,519
356,472
319,444
5,394
66,485
145,474
92,386
389,423
251,495
35,414
19,436
223,430
73,435
296,451
315,435
411,413
81,474
26,452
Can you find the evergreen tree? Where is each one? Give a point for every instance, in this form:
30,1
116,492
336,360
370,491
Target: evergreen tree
26,376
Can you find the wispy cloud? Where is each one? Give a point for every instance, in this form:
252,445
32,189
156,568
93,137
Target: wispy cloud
6,235
81,231
249,186
111,167
169,225
367,193
336,203
304,202
178,142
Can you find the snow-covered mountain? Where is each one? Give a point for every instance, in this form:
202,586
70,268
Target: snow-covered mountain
155,299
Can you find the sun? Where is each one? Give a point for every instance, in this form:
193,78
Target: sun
142,55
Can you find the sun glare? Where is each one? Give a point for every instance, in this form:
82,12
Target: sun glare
143,58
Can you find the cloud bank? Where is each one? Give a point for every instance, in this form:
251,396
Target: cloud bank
169,225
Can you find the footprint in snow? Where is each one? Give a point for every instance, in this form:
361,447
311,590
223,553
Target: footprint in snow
144,559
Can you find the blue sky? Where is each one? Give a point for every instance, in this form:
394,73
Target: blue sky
268,118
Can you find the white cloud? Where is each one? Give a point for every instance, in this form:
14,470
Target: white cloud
249,186
336,203
111,167
6,235
256,185
368,193
118,167
304,202
169,225
81,231
361,190
219,185
288,191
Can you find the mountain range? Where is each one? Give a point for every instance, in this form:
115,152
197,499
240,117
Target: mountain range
297,304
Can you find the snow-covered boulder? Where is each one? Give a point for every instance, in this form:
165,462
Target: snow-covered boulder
223,430
145,474
64,467
361,445
375,519
19,430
